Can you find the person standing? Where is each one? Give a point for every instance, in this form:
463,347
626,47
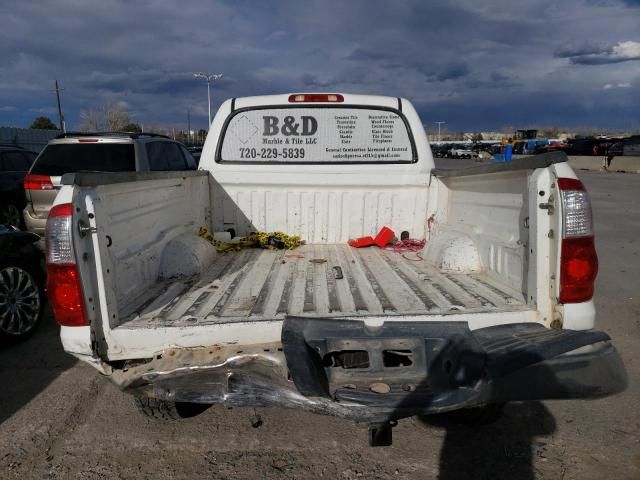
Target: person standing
607,157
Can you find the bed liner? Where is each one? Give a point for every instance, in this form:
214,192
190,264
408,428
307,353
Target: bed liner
324,281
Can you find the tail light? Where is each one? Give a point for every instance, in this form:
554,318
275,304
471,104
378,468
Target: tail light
316,97
578,258
63,279
38,182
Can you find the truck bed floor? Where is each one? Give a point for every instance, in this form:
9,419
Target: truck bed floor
320,280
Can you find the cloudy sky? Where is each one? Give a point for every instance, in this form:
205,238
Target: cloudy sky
475,65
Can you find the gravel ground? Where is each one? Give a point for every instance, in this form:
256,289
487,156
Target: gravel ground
58,419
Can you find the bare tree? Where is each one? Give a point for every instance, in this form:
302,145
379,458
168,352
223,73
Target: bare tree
549,131
115,117
110,117
90,121
153,128
477,137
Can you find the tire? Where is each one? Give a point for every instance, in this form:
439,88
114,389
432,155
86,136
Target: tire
21,302
163,410
10,214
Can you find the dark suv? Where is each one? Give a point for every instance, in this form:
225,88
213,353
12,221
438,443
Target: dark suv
97,152
15,162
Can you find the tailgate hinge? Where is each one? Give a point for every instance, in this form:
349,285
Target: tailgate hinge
83,228
548,206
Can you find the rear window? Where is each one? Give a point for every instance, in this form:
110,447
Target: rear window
316,135
14,161
59,159
165,156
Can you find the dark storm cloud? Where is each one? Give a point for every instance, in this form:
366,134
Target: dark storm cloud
453,71
362,54
589,54
499,77
570,50
456,61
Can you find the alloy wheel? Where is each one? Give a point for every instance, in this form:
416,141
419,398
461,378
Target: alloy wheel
19,301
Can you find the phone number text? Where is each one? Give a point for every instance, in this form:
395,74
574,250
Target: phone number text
271,153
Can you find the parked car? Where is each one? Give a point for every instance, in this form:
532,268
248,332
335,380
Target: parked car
15,162
588,146
462,152
519,147
616,150
22,277
196,152
97,152
551,147
491,309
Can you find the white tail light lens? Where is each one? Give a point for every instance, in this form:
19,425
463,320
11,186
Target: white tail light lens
577,220
59,244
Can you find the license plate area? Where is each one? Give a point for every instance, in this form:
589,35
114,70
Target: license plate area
344,359
359,362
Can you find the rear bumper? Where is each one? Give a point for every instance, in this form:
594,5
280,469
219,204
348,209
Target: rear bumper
591,372
34,223
450,368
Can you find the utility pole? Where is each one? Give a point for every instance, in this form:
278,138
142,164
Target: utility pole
209,77
189,126
439,123
60,116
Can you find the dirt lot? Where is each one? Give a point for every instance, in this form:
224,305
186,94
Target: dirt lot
58,419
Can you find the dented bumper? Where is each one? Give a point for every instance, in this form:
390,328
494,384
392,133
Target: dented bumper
343,368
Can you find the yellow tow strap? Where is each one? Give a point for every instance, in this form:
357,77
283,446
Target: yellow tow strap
270,240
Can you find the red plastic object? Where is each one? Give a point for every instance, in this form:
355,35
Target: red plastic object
384,237
578,269
65,295
361,242
37,182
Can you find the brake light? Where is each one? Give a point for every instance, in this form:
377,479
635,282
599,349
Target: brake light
316,97
63,278
87,140
38,182
578,258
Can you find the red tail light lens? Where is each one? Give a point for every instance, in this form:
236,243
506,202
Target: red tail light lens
65,295
316,97
578,269
63,279
38,182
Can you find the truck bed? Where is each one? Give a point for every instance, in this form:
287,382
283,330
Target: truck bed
319,280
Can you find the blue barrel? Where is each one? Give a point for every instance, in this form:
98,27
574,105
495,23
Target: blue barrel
508,153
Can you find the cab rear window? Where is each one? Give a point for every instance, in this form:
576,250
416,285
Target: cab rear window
58,159
316,135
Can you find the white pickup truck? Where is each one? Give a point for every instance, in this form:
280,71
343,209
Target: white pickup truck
496,307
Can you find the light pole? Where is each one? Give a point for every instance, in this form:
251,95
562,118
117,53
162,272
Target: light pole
439,123
209,77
